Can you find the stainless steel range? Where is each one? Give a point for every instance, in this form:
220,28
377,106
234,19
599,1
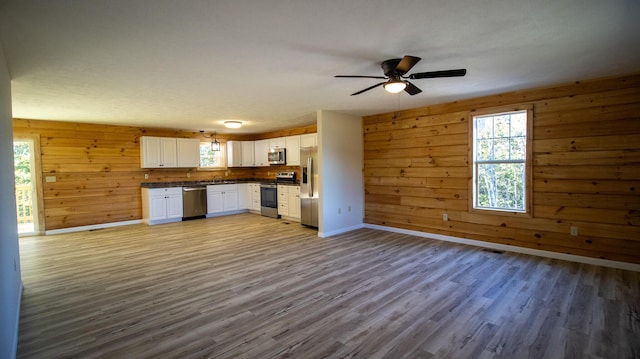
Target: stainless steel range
269,200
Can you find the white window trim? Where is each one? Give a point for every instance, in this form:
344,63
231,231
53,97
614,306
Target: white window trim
528,194
223,149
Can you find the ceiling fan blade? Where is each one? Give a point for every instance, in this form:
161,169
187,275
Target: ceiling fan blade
368,88
411,89
434,74
406,64
361,77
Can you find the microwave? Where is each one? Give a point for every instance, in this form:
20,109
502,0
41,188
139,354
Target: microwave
277,156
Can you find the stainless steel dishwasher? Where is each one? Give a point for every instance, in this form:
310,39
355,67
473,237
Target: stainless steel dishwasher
194,202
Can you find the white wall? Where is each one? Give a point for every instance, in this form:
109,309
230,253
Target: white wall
10,282
341,205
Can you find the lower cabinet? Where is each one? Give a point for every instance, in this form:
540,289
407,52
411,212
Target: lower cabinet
222,198
161,205
254,197
289,202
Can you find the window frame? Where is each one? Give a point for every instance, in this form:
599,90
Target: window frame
528,163
223,151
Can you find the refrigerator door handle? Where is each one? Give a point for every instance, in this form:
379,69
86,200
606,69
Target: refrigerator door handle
310,175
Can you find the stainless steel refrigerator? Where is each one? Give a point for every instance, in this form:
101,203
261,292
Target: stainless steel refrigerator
309,186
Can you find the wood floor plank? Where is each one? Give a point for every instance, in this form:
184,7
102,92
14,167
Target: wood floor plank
246,286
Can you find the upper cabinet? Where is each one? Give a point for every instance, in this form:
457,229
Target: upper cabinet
248,154
158,152
188,152
240,154
309,140
292,144
262,153
167,152
278,142
255,153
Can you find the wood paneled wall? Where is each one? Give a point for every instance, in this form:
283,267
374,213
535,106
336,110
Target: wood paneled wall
98,174
586,170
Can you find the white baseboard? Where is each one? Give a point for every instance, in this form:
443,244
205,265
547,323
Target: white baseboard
507,248
340,231
93,226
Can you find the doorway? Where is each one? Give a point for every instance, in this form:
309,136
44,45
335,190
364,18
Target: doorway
26,185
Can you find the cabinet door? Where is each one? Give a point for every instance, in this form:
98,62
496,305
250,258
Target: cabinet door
243,196
188,152
262,153
234,153
174,206
214,201
169,152
278,142
294,202
309,140
292,144
157,207
229,200
150,152
248,150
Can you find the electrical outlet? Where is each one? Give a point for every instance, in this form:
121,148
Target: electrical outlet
188,174
445,217
146,176
574,231
50,179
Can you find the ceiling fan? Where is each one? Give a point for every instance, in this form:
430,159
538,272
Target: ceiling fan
395,71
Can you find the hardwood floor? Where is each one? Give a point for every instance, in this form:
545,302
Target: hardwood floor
246,286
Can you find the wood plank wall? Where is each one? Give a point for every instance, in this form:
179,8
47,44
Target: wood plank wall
586,170
98,174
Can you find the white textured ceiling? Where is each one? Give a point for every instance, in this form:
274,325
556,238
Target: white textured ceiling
193,64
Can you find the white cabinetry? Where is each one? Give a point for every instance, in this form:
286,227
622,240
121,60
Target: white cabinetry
289,202
222,198
254,197
240,154
278,142
262,153
309,140
161,205
188,152
158,152
167,152
234,154
248,155
294,202
292,144
243,196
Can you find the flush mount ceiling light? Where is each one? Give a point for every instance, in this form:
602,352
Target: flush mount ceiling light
395,85
232,124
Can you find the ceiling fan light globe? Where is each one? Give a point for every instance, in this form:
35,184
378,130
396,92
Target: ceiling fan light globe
395,86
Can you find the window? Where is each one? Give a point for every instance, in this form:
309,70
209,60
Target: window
212,159
501,161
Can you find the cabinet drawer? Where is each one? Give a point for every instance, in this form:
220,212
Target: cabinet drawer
165,191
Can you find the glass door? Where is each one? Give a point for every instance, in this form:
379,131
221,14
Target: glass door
26,195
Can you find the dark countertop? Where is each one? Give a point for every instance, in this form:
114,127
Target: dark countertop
209,183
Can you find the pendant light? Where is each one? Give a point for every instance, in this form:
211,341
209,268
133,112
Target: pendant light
215,145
